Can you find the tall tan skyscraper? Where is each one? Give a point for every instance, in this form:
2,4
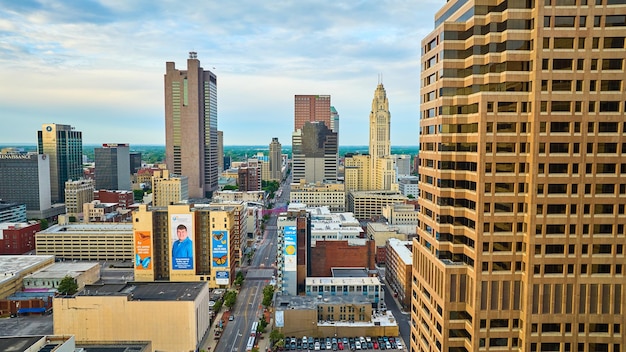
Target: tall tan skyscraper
376,170
276,160
381,173
310,108
64,147
191,125
522,178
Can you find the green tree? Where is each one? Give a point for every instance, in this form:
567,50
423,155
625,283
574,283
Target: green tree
44,223
230,188
262,324
268,295
230,298
138,195
218,306
410,196
276,336
67,286
239,278
72,218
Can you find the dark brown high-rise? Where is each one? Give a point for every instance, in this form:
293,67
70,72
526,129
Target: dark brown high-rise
191,126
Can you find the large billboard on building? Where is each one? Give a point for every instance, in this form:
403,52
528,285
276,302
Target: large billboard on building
222,277
143,250
219,249
280,319
181,239
290,248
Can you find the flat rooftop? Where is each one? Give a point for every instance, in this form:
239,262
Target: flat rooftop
148,291
351,281
349,272
18,344
400,247
59,270
11,265
88,228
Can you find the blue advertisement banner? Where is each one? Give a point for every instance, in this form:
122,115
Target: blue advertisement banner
219,251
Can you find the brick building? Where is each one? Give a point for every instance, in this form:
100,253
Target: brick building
332,254
18,238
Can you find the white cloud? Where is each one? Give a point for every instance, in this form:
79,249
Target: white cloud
107,59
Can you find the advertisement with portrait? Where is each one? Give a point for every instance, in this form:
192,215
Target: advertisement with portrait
219,249
143,250
181,241
290,248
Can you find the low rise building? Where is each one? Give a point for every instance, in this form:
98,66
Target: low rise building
97,211
339,315
369,288
124,199
369,204
401,214
240,196
331,195
13,269
172,315
381,233
98,241
331,254
408,185
399,266
49,277
18,237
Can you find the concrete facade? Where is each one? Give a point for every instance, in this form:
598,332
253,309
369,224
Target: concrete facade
137,312
87,241
77,193
331,195
331,254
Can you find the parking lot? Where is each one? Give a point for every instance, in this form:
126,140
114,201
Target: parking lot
26,325
304,343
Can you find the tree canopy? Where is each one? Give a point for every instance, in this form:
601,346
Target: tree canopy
67,286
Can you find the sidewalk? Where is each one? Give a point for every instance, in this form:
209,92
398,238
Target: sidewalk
209,342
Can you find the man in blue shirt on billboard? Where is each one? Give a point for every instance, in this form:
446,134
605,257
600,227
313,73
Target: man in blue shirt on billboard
182,249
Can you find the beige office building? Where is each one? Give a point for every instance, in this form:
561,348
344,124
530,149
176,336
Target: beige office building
399,270
191,141
331,195
78,193
99,241
521,244
168,189
187,243
173,315
368,204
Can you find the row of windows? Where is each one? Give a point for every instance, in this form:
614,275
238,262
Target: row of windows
582,2
568,65
570,21
596,249
559,229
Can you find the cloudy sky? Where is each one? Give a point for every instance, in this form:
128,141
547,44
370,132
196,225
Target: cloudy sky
99,65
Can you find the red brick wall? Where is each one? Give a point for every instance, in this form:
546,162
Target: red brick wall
20,240
328,254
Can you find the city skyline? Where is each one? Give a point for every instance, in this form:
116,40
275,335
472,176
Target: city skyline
99,67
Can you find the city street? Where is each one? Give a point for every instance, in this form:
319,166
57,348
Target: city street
259,274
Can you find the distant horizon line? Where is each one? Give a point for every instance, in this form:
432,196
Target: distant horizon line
225,145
